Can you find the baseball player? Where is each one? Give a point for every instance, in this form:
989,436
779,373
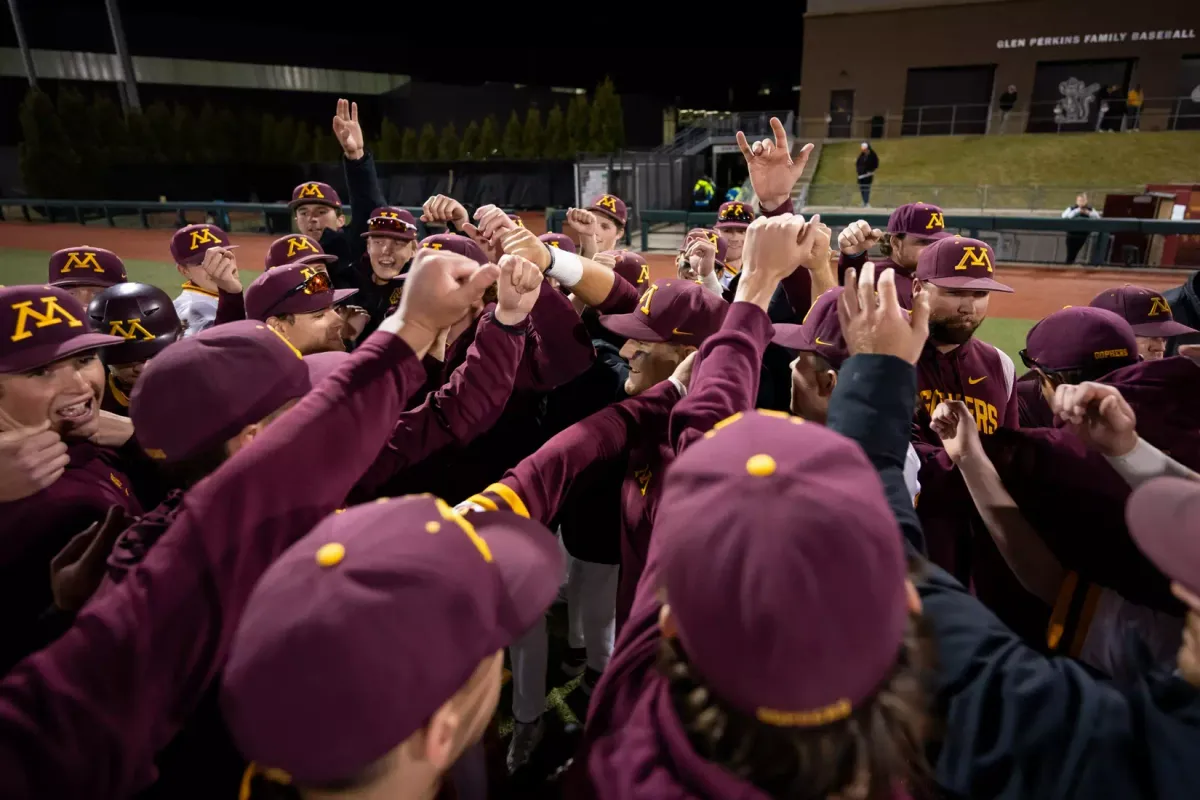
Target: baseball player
959,274
297,301
204,256
1072,345
601,225
51,380
1149,314
732,220
910,229
701,259
391,244
83,272
146,318
295,248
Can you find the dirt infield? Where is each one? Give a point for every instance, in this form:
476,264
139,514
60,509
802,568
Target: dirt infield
1038,290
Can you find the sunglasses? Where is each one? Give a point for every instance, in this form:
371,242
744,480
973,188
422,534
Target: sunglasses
317,283
1030,363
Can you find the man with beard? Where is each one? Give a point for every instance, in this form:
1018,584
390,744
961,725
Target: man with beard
910,229
958,275
1148,313
297,302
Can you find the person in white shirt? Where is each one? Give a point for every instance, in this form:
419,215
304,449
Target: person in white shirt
197,303
1077,239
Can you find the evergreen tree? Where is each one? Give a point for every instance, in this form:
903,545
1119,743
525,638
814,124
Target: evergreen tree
487,137
326,149
76,116
303,148
284,141
606,129
183,128
555,144
205,134
158,119
510,145
143,148
448,144
469,147
531,136
390,141
111,130
578,120
225,143
46,159
408,145
427,144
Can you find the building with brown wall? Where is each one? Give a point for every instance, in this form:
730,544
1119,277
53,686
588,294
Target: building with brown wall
890,68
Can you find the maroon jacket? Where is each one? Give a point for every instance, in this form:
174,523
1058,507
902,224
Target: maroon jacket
85,717
977,373
34,529
1031,405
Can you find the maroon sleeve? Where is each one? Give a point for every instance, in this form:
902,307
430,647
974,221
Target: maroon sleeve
469,404
786,207
85,717
622,298
798,285
725,379
845,262
562,347
1012,409
230,307
537,486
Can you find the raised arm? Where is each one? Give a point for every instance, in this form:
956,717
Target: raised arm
362,181
562,347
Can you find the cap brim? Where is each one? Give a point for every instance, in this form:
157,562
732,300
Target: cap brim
791,336
607,213
736,226
316,258
309,201
34,357
530,564
1161,329
72,282
631,326
407,236
1162,515
340,295
932,237
974,284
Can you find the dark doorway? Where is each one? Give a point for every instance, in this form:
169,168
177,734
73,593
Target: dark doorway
1067,95
841,113
947,100
1185,108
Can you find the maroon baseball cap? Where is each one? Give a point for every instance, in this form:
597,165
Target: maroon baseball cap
612,207
315,193
393,223
229,375
922,220
559,240
86,266
292,289
672,310
296,248
820,332
462,245
322,365
351,640
1080,337
1164,519
516,218
191,242
956,262
735,572
734,215
1145,309
714,237
631,266
42,324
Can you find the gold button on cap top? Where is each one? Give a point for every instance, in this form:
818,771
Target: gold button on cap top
331,554
760,465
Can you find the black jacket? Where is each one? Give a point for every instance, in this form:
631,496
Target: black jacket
348,244
1185,307
867,162
1016,723
1007,101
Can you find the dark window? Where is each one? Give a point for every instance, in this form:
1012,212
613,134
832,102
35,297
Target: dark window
947,100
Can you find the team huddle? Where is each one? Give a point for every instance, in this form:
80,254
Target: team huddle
813,537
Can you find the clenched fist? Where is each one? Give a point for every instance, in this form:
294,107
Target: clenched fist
858,237
522,242
699,260
517,289
441,288
220,266
589,228
440,209
30,460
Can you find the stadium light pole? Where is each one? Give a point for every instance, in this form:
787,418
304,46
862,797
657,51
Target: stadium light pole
129,97
23,45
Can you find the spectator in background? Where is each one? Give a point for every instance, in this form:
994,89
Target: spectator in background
1077,239
1007,101
1112,109
866,165
1133,108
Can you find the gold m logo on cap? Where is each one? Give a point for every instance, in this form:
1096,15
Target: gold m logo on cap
712,236
1158,305
129,329
609,202
936,220
432,245
311,190
295,245
205,236
644,275
84,261
51,314
389,214
975,257
647,297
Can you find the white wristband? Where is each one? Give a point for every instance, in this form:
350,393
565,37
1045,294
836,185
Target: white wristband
565,267
711,283
678,385
1144,462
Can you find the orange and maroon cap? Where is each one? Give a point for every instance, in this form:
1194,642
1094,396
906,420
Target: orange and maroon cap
191,242
956,262
1164,519
734,215
392,222
42,324
86,266
388,629
1147,311
735,572
295,248
671,310
292,289
820,332
612,207
315,193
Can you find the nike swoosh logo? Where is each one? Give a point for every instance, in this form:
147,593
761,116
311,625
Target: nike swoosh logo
974,381
678,332
818,341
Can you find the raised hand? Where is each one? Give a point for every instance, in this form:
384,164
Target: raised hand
354,320
605,259
517,289
585,222
699,260
79,568
221,266
1098,415
441,288
773,247
873,321
441,209
30,460
773,171
347,130
113,430
683,373
954,425
858,237
522,242
814,245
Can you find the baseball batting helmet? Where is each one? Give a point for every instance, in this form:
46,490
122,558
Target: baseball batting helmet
143,314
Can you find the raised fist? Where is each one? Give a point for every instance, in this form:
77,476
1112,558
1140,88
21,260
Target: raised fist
221,266
858,237
517,289
441,287
441,209
522,242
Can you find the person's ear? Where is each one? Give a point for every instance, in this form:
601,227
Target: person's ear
666,622
913,596
439,737
826,382
243,437
917,287
275,324
183,271
341,219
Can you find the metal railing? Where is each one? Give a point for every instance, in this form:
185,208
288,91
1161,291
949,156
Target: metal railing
982,197
728,124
